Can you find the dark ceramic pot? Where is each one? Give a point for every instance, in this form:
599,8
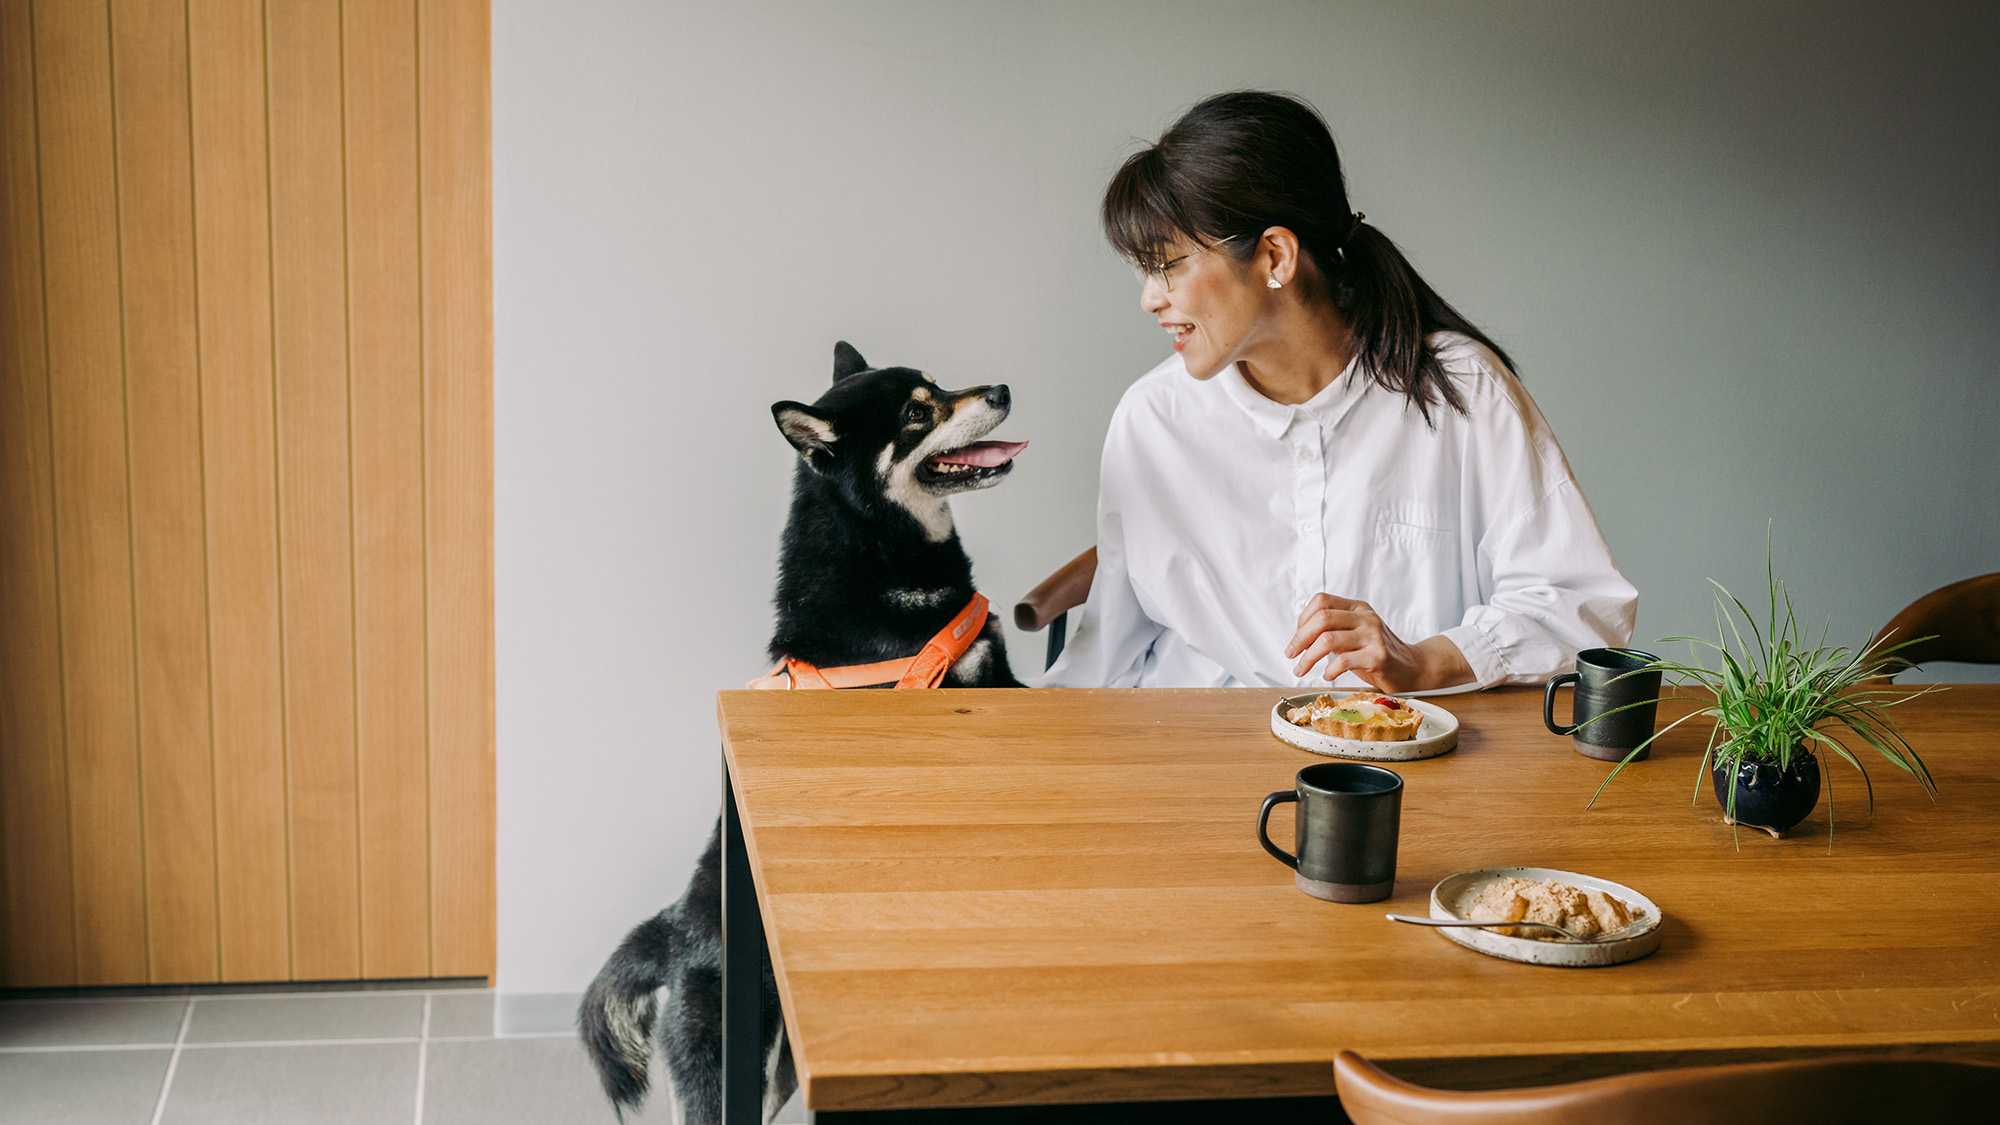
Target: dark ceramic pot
1767,797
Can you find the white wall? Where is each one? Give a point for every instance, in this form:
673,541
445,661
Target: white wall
1748,258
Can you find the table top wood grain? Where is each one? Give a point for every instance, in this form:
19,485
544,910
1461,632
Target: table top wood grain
1016,897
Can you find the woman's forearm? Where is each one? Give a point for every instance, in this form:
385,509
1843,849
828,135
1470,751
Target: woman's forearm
1442,665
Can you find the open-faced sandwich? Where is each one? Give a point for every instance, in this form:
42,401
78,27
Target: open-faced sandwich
1363,715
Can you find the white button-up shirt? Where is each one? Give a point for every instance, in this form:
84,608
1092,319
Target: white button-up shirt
1221,512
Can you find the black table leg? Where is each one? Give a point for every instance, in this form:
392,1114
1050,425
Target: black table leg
742,974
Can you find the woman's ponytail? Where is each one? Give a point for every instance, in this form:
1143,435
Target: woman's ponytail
1392,312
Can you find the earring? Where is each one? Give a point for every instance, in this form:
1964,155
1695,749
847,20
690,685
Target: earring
1273,283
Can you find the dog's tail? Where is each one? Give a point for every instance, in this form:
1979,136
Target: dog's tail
616,1017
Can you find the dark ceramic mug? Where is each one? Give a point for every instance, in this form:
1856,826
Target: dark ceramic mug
1616,702
1345,831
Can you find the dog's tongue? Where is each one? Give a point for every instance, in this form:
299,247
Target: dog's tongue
984,454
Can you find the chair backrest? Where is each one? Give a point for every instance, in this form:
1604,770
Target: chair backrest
1843,1091
1047,606
1962,621
1058,594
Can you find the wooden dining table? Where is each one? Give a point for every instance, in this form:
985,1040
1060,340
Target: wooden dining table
1020,897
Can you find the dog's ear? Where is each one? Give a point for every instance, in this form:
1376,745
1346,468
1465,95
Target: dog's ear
846,361
808,430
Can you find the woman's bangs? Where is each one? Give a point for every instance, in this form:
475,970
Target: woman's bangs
1142,219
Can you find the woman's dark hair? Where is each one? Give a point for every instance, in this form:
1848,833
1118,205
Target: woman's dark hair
1240,163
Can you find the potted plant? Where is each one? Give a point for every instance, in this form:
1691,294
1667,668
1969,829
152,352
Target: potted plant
1783,698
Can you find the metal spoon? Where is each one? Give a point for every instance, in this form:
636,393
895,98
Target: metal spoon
1415,920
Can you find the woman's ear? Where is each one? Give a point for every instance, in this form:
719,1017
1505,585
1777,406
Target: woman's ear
1277,257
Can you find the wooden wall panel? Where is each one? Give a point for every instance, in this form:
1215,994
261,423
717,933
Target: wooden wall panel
246,679
385,328
309,293
80,269
455,112
38,942
163,424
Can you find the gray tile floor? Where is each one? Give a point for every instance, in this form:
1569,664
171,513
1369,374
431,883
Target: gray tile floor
430,1058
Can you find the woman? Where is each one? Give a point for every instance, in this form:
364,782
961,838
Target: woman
1335,469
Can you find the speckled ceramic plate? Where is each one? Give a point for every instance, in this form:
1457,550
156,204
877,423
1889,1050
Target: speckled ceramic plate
1450,897
1437,735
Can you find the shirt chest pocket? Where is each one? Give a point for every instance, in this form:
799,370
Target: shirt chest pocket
1410,566
1419,529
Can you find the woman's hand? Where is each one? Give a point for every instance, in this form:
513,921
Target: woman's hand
1352,638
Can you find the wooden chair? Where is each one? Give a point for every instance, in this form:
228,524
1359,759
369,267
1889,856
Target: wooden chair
1962,621
1047,606
1849,1091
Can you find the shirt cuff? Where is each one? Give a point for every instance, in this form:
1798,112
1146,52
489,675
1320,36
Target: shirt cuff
1480,652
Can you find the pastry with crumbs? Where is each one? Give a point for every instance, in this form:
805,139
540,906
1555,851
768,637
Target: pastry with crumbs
1587,914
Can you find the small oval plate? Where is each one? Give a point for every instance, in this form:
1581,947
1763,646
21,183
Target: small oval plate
1437,735
1450,897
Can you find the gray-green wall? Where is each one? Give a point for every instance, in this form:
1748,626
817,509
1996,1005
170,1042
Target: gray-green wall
1746,254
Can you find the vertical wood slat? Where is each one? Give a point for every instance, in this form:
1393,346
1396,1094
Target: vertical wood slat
385,329
310,310
233,284
156,251
92,505
455,132
39,943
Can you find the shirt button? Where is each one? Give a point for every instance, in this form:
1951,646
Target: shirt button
1307,453
1305,527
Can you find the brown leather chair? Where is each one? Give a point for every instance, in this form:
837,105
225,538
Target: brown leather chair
1961,622
1047,606
1844,1091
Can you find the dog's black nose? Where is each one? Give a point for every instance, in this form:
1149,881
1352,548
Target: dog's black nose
997,396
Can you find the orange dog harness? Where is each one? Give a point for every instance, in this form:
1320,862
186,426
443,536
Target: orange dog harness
924,670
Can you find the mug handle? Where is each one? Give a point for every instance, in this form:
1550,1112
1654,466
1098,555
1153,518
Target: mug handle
1263,827
1549,705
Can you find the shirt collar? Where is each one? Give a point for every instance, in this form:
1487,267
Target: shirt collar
1274,418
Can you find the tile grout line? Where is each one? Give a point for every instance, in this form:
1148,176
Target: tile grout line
363,1040
293,995
173,1062
423,1057
86,1047
240,1043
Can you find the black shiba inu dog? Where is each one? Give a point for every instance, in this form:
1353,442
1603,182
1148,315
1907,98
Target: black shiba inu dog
870,569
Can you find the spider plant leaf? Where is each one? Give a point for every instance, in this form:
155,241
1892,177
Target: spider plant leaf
1707,755
1735,680
1882,741
1882,655
1601,715
1731,618
1770,567
1891,744
1851,760
1635,752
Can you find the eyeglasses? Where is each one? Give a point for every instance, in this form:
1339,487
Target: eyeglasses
1164,271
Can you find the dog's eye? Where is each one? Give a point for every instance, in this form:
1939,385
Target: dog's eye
915,414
